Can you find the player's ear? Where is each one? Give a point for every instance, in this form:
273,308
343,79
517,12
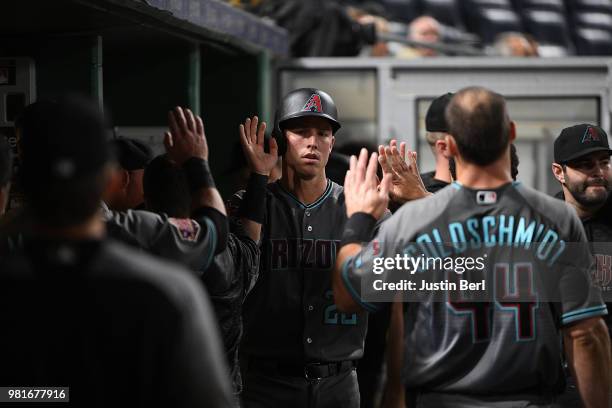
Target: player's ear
124,179
442,147
333,141
558,172
452,149
512,134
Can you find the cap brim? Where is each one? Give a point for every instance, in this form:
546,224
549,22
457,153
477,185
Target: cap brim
335,124
585,152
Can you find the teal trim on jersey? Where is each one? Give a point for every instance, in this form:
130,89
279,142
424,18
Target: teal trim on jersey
326,194
213,237
517,183
347,283
456,185
314,204
584,313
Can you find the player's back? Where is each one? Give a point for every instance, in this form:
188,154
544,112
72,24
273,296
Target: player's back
117,327
507,342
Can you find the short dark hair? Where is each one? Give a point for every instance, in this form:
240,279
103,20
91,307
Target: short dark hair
479,123
6,162
166,189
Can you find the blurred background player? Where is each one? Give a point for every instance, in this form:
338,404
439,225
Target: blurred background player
111,324
193,243
460,362
126,192
437,130
232,273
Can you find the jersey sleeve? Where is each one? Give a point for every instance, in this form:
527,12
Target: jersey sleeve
190,242
580,297
236,269
357,271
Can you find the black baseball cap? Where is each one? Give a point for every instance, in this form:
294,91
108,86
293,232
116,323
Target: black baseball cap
131,154
579,140
62,140
435,121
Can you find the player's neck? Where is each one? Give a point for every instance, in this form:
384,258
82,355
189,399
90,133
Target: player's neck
493,175
305,190
442,171
93,228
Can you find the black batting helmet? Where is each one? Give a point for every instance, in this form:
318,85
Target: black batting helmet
303,102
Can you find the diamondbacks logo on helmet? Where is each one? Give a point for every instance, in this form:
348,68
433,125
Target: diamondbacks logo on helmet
313,104
590,135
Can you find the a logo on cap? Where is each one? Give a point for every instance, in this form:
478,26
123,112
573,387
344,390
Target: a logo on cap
590,135
313,104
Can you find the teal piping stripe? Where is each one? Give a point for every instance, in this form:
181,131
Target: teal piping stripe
600,312
580,311
326,194
323,197
367,306
213,237
456,185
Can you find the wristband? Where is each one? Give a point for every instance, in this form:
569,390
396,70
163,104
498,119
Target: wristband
198,174
358,229
253,206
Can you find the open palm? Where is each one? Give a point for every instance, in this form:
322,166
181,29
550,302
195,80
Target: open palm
252,141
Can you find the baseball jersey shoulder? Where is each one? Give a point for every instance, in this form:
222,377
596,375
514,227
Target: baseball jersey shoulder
414,216
552,210
394,233
191,242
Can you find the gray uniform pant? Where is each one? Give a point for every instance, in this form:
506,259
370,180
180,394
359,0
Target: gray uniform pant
442,400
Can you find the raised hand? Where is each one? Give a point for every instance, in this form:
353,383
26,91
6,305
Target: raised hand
252,141
400,164
186,138
361,190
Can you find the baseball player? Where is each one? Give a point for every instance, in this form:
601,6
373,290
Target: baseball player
232,273
112,326
437,129
5,174
503,350
125,192
582,167
192,243
298,349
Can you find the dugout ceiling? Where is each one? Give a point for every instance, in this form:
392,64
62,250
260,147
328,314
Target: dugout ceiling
140,58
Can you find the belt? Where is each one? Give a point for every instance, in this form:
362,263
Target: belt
310,371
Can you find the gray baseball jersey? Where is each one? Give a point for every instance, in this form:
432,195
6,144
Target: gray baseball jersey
290,314
503,345
190,242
